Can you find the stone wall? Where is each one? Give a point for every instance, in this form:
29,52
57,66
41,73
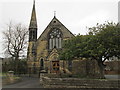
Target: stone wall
78,83
85,67
112,67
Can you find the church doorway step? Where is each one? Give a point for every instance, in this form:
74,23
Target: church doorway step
55,66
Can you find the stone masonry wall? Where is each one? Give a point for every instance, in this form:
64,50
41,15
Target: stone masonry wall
79,83
85,67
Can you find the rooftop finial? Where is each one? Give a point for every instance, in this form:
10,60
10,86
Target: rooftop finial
54,13
34,2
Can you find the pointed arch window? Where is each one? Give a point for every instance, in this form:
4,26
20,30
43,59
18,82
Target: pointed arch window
32,35
55,39
41,64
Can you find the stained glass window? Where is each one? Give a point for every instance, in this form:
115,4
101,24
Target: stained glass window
55,39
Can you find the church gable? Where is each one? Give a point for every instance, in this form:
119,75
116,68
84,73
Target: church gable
52,37
55,23
53,55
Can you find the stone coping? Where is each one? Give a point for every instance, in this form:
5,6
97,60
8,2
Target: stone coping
79,83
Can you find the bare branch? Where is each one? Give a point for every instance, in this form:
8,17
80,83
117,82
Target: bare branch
15,38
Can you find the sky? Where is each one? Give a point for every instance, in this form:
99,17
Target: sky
76,15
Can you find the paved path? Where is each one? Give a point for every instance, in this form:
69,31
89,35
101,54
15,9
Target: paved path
27,82
112,76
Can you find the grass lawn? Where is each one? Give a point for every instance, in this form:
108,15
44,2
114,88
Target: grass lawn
3,74
7,79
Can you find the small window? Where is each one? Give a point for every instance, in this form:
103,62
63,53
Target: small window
33,35
54,21
41,63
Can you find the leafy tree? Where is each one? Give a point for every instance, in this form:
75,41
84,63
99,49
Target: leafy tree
22,66
108,35
100,44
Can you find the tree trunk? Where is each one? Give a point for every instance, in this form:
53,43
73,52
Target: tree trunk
70,65
101,66
16,65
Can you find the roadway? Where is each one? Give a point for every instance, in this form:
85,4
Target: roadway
27,82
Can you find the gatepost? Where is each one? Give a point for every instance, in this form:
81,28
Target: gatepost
42,74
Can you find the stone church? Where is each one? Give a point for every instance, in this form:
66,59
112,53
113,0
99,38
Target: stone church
43,51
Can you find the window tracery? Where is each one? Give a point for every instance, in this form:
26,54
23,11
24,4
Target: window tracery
55,39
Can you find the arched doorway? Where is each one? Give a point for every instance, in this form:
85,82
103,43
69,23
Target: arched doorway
55,66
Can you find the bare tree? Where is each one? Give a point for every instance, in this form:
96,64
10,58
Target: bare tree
15,41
